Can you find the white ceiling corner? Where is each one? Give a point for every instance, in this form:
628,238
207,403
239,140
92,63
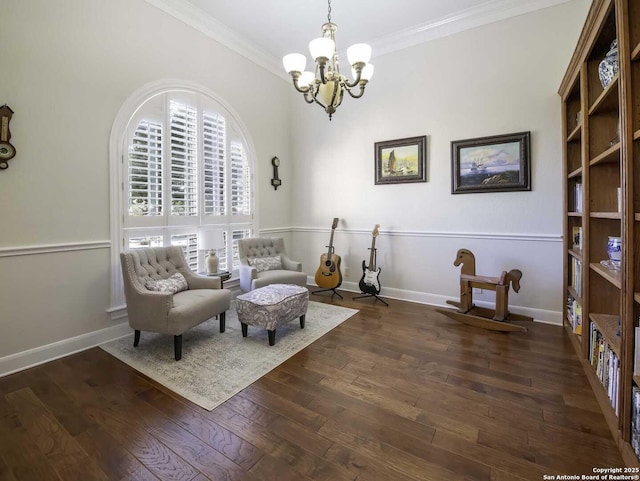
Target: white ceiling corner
421,21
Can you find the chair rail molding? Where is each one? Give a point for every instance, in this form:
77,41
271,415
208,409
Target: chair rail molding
422,233
53,248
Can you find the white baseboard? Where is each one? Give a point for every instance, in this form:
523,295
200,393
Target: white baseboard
40,355
539,315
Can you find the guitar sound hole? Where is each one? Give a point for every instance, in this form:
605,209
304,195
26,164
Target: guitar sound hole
327,263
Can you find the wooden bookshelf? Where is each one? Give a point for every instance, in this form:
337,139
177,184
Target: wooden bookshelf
602,153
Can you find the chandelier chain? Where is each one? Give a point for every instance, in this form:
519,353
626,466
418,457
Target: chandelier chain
329,14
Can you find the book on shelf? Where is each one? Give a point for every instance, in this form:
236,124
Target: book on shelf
576,281
606,365
574,314
636,351
577,197
635,420
577,237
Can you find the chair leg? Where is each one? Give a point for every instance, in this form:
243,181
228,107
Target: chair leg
136,338
272,337
302,321
223,316
177,346
244,329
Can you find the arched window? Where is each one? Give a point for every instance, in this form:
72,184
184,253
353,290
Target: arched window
185,166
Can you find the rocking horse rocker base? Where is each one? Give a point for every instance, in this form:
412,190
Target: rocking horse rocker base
492,319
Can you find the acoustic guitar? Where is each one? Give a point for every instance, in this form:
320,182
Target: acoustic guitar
328,275
370,282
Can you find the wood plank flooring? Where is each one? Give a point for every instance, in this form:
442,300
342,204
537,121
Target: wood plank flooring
394,393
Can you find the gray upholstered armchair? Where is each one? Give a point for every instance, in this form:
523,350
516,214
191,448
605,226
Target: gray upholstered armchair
164,296
263,261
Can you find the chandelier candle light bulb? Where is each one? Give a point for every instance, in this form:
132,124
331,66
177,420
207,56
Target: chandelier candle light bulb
327,86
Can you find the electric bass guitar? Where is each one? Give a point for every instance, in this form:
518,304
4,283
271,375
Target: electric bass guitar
328,275
370,282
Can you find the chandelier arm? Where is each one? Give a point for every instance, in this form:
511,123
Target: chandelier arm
356,81
360,92
302,91
308,99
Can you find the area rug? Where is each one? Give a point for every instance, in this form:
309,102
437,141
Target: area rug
216,366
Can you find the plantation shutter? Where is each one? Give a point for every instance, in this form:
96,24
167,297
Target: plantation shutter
240,181
189,244
183,125
236,235
214,163
145,170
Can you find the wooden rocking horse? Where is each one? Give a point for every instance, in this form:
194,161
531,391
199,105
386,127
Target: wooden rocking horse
468,313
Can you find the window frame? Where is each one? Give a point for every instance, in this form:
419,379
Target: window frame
121,230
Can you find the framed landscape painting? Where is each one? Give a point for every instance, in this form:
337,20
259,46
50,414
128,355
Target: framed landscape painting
401,161
500,163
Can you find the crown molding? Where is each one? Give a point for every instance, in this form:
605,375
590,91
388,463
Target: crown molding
489,12
212,28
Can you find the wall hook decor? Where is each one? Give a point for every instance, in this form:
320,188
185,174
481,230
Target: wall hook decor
7,151
275,182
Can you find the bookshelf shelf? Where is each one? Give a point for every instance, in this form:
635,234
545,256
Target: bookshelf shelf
574,294
614,277
575,134
576,253
608,326
636,135
635,55
605,215
576,173
636,297
612,154
608,99
574,214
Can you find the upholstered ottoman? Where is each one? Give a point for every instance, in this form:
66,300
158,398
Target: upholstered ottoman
272,305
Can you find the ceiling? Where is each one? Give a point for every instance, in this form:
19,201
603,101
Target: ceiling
265,30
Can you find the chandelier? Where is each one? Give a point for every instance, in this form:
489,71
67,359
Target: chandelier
327,85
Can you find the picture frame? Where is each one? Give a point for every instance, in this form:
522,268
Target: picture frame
401,161
499,163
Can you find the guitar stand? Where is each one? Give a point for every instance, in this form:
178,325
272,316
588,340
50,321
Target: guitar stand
378,298
333,291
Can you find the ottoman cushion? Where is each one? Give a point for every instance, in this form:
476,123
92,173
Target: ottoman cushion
272,305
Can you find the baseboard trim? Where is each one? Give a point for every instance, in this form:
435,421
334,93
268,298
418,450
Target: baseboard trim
39,355
539,315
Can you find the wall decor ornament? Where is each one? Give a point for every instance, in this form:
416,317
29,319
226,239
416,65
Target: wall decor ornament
401,161
608,68
7,150
499,163
275,181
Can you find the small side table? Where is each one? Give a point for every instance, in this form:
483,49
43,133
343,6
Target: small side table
223,275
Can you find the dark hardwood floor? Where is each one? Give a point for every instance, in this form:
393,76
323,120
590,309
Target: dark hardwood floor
397,393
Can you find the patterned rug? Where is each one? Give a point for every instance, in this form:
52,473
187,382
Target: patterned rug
216,366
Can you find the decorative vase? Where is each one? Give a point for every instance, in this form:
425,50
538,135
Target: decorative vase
212,262
614,249
608,68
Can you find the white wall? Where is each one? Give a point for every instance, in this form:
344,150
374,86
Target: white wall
496,79
67,67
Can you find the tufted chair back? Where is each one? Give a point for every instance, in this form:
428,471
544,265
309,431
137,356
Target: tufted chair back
250,278
155,263
260,247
